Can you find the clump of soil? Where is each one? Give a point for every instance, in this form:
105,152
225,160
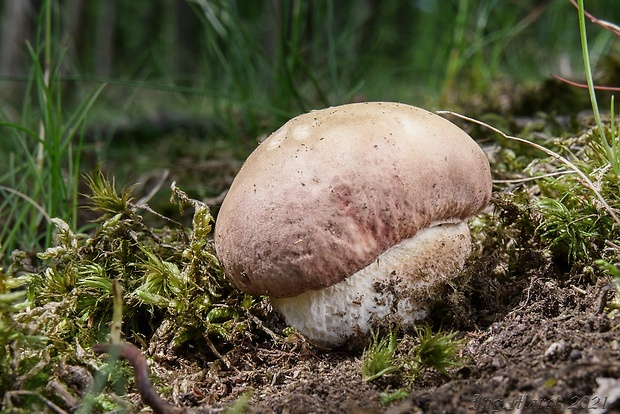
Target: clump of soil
545,354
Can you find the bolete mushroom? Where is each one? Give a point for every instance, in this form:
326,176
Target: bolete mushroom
351,214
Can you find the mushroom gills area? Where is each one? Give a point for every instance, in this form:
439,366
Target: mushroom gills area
397,285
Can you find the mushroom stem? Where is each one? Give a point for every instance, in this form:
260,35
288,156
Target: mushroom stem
397,284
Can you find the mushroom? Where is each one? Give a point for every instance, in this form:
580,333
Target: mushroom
352,214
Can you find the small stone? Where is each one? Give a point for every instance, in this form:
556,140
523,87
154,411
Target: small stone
554,351
575,354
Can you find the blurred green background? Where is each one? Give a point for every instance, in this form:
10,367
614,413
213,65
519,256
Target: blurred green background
188,88
276,58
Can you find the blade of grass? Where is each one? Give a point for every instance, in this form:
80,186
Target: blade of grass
43,180
586,180
609,150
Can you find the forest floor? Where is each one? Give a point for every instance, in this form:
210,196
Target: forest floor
537,334
535,343
537,337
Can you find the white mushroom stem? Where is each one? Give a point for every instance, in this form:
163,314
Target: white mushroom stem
396,284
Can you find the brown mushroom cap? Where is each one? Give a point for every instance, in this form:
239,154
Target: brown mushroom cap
333,189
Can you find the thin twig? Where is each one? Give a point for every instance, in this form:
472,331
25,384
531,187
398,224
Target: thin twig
588,183
260,325
532,178
30,200
615,29
146,207
220,356
155,188
217,200
134,356
584,86
117,314
9,394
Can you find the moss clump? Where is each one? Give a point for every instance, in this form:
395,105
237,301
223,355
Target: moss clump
174,292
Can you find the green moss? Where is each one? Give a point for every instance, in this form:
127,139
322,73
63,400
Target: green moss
438,350
378,360
386,398
170,277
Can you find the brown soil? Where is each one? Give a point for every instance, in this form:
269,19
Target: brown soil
534,343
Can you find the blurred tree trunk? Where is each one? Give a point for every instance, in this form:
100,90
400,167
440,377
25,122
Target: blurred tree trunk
13,35
75,43
187,44
105,38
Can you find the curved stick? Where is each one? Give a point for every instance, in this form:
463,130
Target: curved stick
584,86
141,372
615,29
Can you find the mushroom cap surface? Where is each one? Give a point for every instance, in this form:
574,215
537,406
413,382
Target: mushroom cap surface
331,190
